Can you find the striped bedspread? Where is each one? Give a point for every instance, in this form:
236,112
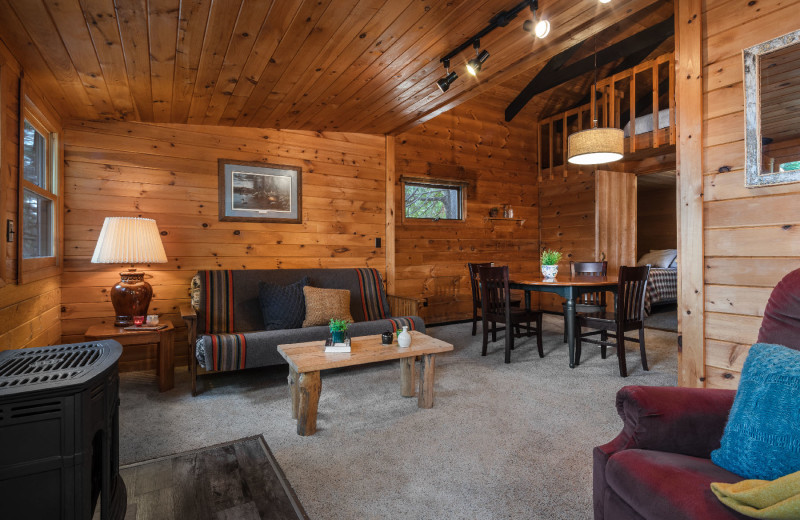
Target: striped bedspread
662,287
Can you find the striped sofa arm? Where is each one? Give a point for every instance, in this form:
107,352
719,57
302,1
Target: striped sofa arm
403,305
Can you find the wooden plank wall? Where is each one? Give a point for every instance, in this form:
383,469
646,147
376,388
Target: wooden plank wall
567,222
29,313
473,143
169,173
657,226
750,235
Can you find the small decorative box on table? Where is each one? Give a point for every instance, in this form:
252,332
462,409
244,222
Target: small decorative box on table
164,338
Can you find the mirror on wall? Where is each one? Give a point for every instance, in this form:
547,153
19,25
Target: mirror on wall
772,111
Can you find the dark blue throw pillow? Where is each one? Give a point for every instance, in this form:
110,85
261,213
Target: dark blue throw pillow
283,306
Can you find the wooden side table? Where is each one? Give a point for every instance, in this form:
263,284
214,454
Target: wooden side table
164,338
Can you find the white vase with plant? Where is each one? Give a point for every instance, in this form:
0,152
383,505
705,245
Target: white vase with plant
549,261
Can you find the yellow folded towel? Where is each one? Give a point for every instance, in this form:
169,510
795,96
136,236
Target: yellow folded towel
774,499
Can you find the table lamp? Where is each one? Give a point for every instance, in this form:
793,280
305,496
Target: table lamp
129,240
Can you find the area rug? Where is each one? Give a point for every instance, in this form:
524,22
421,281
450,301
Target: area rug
502,441
238,480
663,317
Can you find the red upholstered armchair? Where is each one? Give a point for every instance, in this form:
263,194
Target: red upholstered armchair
659,466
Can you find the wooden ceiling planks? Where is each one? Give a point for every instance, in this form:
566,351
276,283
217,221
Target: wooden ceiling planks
189,49
132,26
574,26
347,65
163,35
101,21
219,31
340,49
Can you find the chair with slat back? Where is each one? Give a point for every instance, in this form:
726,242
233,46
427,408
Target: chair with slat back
476,292
628,315
589,302
496,308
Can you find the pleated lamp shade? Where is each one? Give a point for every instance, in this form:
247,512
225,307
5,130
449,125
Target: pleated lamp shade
596,146
129,240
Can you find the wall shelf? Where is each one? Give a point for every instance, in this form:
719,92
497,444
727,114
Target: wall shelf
519,221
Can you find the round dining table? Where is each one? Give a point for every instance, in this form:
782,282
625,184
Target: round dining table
569,288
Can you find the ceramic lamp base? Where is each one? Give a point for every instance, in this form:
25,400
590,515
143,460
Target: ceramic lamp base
130,297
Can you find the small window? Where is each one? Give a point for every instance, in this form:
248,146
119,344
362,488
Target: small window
433,201
39,193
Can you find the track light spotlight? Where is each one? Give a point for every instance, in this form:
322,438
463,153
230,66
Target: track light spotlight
542,28
449,77
474,65
605,1
538,26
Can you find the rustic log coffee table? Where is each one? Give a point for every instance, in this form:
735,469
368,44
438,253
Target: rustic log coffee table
306,360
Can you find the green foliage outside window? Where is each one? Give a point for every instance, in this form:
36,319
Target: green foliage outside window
432,201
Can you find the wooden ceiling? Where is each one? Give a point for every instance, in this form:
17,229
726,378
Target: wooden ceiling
348,65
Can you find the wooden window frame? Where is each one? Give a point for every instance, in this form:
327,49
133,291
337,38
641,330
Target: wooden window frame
34,111
3,184
444,183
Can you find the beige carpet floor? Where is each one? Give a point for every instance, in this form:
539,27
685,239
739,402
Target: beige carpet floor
502,441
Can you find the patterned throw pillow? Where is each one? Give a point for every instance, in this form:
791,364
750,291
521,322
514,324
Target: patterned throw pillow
282,306
322,305
762,437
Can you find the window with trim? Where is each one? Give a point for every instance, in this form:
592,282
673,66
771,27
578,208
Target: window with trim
39,194
433,200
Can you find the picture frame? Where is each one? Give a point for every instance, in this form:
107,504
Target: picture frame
260,192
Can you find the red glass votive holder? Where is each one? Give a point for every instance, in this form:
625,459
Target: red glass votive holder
138,321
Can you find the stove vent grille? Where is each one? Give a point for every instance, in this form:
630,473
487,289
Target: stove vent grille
27,367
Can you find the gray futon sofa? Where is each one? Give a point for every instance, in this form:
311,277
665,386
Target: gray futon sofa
226,326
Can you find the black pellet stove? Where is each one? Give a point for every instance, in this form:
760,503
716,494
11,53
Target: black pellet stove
59,432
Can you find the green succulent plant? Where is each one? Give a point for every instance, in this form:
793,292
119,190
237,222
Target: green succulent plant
550,257
338,325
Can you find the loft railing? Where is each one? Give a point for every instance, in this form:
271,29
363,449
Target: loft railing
646,92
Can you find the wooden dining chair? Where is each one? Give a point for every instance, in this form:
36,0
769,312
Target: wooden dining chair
628,315
476,292
496,308
590,302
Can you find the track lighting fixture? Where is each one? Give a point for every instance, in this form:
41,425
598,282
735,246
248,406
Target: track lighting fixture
449,77
474,65
501,19
538,26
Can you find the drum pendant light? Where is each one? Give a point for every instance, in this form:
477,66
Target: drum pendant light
596,145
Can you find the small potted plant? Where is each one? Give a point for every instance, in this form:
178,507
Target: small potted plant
338,330
549,261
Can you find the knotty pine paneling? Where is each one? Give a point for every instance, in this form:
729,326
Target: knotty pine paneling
169,173
567,223
29,313
657,225
470,143
750,234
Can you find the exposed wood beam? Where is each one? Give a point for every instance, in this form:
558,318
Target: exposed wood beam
629,62
620,50
689,114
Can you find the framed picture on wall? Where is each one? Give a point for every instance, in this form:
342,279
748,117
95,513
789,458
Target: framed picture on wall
259,192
